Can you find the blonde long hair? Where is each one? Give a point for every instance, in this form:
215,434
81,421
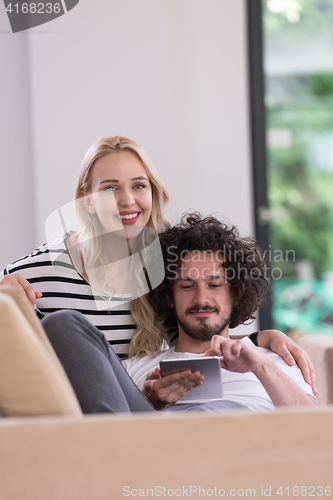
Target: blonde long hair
150,336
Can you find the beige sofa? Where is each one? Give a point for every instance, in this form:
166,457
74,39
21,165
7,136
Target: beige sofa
50,451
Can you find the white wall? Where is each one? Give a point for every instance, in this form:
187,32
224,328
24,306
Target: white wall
171,74
17,192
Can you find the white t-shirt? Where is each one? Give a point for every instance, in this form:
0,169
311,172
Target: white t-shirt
241,388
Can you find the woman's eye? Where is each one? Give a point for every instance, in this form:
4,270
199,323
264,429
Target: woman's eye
109,189
139,186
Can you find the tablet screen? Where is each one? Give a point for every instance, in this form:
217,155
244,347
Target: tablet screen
211,388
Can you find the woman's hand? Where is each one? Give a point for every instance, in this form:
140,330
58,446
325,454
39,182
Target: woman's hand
18,281
169,389
290,351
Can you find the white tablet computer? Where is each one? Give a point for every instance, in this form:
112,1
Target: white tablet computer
211,388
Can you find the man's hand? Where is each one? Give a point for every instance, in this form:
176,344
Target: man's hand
18,281
291,352
240,357
237,355
169,389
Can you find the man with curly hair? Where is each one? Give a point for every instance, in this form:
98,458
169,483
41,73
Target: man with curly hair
214,281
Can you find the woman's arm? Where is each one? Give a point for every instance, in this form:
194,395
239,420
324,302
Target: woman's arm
290,351
16,280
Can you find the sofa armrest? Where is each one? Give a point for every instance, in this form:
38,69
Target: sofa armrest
320,351
32,379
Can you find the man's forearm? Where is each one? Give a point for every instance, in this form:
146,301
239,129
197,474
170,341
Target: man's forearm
282,390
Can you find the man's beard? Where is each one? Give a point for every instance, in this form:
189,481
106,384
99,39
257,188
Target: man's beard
202,331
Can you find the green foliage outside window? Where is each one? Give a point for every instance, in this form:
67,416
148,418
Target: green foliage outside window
299,101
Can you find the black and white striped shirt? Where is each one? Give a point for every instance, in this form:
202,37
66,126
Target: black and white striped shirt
50,270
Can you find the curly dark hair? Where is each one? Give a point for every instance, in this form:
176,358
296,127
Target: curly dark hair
242,258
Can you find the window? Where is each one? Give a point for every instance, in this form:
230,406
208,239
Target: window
297,214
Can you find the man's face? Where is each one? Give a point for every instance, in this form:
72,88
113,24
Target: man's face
201,297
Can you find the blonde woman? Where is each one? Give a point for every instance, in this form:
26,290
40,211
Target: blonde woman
118,192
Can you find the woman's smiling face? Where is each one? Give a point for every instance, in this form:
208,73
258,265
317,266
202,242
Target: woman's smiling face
121,193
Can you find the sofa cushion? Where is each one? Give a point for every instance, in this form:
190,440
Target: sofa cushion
32,379
320,351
